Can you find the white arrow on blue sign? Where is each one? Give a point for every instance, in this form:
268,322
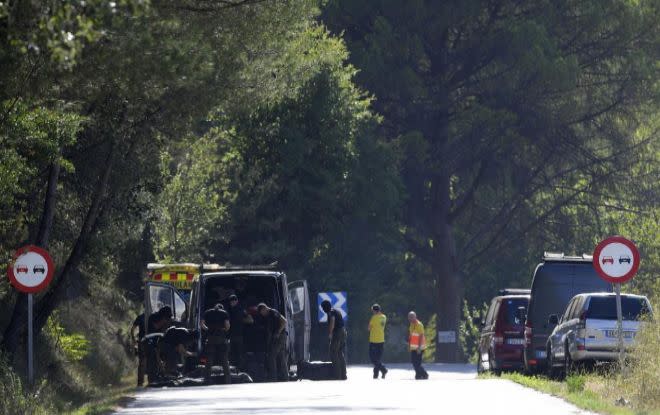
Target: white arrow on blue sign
338,301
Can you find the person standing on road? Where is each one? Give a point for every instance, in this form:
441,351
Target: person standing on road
139,347
377,340
276,338
215,322
416,345
238,317
337,336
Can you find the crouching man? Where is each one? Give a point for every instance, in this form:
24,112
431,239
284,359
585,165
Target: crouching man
174,348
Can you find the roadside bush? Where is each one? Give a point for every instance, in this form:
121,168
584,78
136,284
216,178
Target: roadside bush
575,383
15,398
643,377
74,346
469,332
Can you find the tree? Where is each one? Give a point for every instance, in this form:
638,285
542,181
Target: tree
143,77
507,111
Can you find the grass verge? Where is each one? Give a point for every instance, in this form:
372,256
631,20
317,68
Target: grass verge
116,396
591,392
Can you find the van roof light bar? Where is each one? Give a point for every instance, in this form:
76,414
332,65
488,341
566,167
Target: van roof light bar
267,267
561,257
515,291
210,267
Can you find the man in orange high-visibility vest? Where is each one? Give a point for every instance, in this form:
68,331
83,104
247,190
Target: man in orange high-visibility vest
416,345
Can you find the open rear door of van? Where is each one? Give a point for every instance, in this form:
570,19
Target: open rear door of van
299,295
158,295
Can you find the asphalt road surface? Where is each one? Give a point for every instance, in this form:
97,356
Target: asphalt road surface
451,389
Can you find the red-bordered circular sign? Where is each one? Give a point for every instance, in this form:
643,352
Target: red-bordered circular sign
31,269
616,259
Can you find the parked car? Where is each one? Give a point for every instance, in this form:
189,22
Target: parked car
556,280
502,334
587,330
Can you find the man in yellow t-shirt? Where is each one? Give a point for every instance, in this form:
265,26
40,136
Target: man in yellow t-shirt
416,345
377,340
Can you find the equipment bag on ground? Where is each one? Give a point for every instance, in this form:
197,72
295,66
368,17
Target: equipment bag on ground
315,371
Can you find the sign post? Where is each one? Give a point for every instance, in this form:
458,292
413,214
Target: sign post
30,271
616,260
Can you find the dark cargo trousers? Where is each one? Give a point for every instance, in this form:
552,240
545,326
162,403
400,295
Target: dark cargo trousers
217,351
277,360
376,357
416,360
337,346
236,353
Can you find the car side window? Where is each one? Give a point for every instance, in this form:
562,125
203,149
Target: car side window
579,307
569,311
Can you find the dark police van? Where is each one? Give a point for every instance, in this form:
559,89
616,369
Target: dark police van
252,285
556,280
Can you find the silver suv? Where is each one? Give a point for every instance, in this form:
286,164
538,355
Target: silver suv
587,331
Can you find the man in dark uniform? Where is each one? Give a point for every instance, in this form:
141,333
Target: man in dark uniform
238,317
276,338
174,348
215,322
337,336
138,346
157,322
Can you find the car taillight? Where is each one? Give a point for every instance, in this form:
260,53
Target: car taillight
582,320
528,334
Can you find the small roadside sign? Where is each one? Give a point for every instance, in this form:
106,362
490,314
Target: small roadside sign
31,269
338,300
616,259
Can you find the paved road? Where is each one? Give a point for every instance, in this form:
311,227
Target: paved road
451,389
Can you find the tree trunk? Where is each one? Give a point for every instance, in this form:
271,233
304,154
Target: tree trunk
445,269
56,293
16,328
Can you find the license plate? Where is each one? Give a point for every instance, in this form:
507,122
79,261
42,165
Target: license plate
515,341
540,354
615,334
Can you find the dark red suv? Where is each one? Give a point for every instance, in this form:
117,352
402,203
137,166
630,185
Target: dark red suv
502,339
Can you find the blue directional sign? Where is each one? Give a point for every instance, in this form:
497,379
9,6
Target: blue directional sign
338,301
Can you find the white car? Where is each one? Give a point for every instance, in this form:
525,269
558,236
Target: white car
587,331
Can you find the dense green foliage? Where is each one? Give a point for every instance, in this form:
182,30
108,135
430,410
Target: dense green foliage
412,153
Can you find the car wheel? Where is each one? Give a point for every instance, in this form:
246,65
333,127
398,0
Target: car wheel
491,365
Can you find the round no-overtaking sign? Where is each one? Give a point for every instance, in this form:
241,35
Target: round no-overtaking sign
31,270
616,259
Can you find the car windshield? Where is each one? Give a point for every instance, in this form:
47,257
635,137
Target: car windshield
511,309
604,308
